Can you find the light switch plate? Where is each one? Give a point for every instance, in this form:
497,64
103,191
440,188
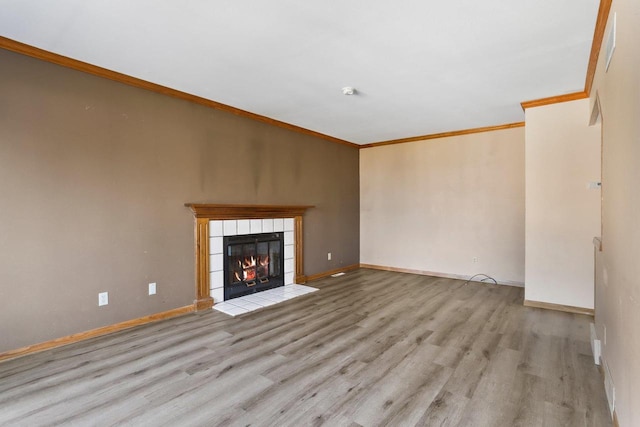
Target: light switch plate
103,298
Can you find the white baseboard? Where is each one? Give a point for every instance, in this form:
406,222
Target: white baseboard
439,274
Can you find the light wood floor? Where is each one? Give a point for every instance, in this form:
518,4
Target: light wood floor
370,348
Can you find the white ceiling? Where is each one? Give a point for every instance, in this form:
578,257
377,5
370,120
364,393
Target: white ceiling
420,67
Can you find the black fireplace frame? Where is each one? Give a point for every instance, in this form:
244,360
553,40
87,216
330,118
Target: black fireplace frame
234,289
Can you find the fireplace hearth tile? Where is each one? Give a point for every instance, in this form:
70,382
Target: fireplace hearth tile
243,303
272,293
230,309
257,300
300,289
278,225
275,298
247,303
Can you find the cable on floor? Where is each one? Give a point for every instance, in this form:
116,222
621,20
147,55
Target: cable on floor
486,277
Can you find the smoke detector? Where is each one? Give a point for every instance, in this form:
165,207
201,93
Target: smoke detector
348,90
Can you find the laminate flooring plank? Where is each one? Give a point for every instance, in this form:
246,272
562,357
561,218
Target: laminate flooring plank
88,384
446,410
73,382
369,348
527,394
493,392
402,396
474,361
54,369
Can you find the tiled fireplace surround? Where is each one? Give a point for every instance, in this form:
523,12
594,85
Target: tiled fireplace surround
214,221
238,227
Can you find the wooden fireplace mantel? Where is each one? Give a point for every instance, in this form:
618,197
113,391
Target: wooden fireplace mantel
203,213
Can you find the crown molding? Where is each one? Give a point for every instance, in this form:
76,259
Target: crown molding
25,49
445,134
598,36
596,45
28,50
554,100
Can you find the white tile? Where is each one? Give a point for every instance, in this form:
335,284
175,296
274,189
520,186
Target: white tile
290,289
288,278
264,302
288,251
288,265
243,226
216,262
278,224
215,245
256,226
303,290
254,298
242,302
230,309
267,225
274,291
272,297
288,224
215,228
217,295
257,299
288,237
229,227
216,279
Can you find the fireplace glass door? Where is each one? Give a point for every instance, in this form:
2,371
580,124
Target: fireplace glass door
253,263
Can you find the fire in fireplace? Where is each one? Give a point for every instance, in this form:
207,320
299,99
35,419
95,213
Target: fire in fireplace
253,263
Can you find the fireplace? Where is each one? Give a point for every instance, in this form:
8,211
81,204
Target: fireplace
215,222
253,263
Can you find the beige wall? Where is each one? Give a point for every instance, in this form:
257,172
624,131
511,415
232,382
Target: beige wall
435,205
562,213
93,178
618,287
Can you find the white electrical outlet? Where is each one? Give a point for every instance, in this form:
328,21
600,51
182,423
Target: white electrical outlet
152,288
475,260
329,256
103,298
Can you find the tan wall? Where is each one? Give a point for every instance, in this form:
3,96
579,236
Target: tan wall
618,292
93,178
435,205
562,213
